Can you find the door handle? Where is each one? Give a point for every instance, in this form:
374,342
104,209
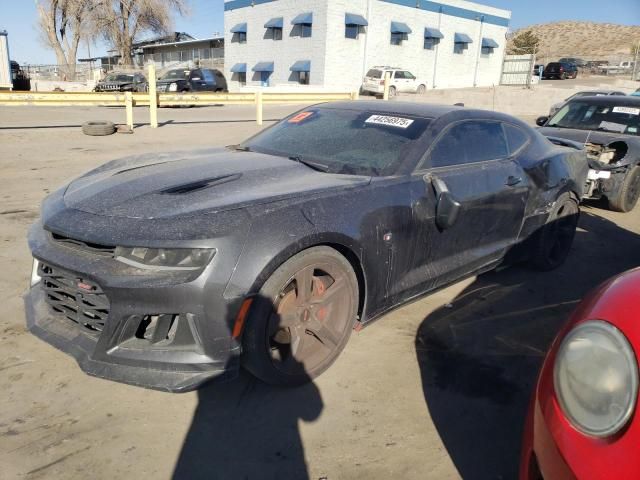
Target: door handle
513,181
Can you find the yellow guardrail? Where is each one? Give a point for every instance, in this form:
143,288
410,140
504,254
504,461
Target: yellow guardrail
153,99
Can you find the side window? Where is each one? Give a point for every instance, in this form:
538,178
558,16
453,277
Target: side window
196,75
399,74
469,142
516,137
208,76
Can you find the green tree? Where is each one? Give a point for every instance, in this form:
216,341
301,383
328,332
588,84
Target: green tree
524,43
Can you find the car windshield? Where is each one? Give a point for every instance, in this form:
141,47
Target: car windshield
175,75
342,140
119,77
583,115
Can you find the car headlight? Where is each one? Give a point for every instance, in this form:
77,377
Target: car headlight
35,274
165,258
173,87
596,378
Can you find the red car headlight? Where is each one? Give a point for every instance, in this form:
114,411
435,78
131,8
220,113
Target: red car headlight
596,378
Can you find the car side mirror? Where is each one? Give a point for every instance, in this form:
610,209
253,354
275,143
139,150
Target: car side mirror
540,121
447,207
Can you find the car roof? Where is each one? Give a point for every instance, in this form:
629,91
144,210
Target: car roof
426,110
599,92
611,100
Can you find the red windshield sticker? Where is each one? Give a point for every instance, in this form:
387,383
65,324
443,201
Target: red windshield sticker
300,117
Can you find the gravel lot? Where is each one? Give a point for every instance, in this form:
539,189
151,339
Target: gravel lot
437,389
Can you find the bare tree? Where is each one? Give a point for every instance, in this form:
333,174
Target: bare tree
121,21
63,24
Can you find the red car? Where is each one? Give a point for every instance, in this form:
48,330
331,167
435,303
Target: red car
581,421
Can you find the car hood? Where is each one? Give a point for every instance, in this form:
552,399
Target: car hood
582,136
193,183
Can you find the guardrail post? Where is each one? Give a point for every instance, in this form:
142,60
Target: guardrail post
128,103
259,107
153,96
387,82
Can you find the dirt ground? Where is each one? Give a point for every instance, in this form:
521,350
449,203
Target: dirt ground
437,389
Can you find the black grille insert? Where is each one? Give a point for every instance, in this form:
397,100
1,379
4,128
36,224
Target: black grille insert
97,248
81,301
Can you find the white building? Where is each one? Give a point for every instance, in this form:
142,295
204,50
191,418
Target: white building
333,43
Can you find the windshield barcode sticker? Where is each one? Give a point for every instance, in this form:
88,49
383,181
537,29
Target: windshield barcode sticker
627,110
398,122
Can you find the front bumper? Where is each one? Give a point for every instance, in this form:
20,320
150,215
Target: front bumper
198,348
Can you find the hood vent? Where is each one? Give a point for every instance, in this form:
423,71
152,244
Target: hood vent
199,185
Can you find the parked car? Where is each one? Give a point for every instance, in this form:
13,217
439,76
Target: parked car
578,62
608,128
620,68
168,270
561,71
402,81
582,421
538,69
122,82
587,93
194,80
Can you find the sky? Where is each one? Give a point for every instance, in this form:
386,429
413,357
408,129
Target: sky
19,18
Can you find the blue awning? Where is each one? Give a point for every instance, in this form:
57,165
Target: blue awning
239,68
274,23
432,33
462,38
239,28
303,19
301,66
354,19
263,67
399,27
489,43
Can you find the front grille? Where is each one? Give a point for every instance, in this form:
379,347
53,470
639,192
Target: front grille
104,250
79,300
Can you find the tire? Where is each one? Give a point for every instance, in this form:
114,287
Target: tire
291,339
552,243
98,128
392,91
421,89
627,196
563,76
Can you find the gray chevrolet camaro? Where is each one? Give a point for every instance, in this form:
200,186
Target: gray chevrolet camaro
168,270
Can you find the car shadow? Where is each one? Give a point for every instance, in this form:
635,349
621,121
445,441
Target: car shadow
480,355
245,429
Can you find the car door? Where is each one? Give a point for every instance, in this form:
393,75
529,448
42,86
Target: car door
411,82
209,80
400,81
196,80
469,199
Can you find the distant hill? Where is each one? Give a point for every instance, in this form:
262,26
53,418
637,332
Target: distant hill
587,40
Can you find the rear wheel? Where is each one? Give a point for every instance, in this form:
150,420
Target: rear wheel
302,318
552,243
627,196
392,91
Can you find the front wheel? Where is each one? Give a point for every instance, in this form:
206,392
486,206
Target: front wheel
302,318
628,193
421,89
552,243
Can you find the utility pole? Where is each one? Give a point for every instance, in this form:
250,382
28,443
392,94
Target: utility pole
635,61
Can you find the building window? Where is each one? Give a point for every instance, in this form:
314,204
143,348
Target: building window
274,33
430,43
352,31
303,78
459,48
397,38
305,30
242,37
242,78
487,50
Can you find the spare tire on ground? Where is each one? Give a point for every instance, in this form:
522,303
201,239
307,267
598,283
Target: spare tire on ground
98,128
